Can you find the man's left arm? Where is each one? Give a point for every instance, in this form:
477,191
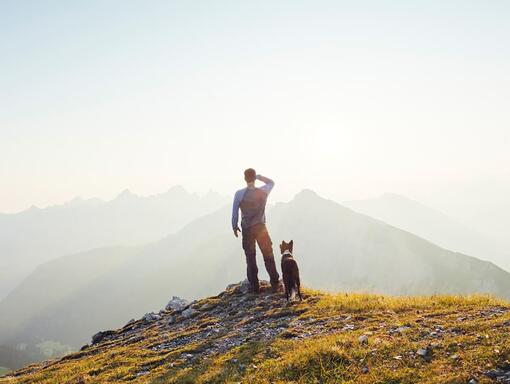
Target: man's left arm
268,183
235,214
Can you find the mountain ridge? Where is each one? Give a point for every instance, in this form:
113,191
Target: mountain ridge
336,248
433,225
261,339
35,236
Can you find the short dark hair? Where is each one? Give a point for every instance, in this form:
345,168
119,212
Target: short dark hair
250,175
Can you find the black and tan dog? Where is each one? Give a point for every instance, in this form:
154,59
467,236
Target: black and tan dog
290,271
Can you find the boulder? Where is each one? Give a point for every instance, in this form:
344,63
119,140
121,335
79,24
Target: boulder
187,313
170,320
176,304
150,317
100,336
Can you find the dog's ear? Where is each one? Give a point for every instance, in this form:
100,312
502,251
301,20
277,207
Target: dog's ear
291,245
282,246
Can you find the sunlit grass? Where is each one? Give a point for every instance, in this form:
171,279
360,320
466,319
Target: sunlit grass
479,342
358,302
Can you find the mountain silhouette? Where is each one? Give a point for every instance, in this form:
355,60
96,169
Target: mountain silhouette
433,225
336,249
35,236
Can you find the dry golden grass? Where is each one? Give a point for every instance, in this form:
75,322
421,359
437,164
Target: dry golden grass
474,337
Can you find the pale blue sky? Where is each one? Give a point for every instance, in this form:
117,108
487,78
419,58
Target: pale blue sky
351,99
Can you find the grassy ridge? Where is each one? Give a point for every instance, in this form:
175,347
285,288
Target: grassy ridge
343,338
3,371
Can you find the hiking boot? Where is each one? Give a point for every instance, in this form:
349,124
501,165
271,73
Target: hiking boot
276,287
254,289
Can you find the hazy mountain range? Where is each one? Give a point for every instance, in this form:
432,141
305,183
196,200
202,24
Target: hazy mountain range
434,226
35,236
70,298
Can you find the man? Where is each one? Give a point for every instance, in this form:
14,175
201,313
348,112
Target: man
252,201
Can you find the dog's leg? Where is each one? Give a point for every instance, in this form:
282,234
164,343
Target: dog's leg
298,284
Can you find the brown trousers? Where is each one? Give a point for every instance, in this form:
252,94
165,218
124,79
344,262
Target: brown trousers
258,234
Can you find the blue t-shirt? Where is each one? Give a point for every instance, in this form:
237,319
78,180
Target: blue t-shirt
252,202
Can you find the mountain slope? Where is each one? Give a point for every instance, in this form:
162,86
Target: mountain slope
336,249
348,338
37,235
432,225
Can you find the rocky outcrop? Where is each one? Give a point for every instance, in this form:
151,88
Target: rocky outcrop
365,333
176,304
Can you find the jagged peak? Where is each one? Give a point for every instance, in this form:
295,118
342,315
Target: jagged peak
306,194
125,195
76,200
177,189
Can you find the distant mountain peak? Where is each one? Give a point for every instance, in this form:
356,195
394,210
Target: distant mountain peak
212,193
126,194
175,192
76,200
391,195
306,194
80,202
177,188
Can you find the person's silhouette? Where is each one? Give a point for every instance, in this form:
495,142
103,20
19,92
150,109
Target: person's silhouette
252,202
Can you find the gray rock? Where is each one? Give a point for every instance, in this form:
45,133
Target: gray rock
231,286
364,370
473,381
425,353
495,373
207,307
101,336
187,313
245,286
170,320
176,304
348,327
363,339
402,329
150,317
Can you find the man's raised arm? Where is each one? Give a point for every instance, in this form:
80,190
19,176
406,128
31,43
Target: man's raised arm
269,184
235,212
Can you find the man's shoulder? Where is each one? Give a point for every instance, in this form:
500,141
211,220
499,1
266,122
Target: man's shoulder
262,190
240,192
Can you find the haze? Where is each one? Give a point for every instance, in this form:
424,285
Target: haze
351,100
385,125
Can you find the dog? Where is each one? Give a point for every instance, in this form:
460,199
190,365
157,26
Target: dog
290,271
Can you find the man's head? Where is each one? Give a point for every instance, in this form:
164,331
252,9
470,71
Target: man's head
250,175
